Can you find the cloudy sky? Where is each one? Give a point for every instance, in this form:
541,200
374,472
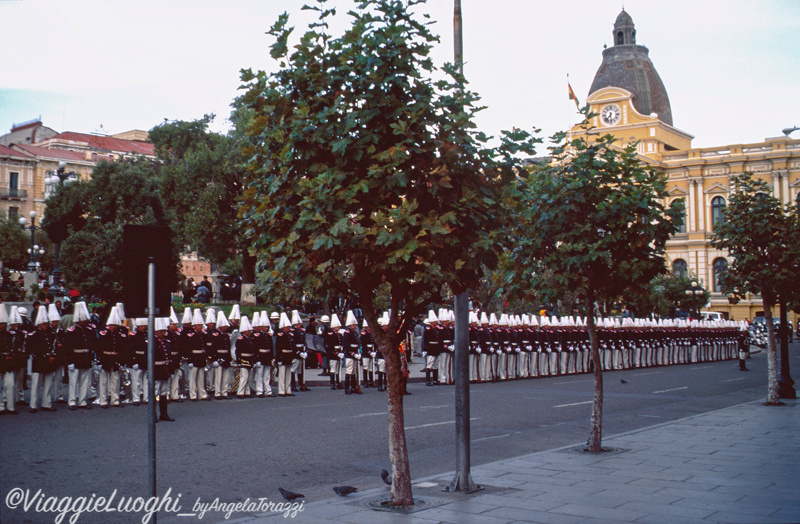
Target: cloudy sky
731,68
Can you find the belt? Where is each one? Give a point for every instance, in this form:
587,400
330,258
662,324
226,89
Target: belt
80,350
160,363
198,351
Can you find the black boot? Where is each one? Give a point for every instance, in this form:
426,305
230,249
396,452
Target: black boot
162,405
371,379
294,382
347,382
405,386
339,382
435,377
380,381
365,374
742,367
428,377
333,381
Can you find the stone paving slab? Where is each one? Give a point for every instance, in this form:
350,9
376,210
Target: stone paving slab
738,464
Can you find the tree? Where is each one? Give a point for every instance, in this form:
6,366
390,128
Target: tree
365,176
13,248
200,182
666,295
763,240
88,217
592,223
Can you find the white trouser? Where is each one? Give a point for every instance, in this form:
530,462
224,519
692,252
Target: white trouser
284,379
502,363
79,386
473,366
494,371
175,385
351,366
524,363
139,387
380,365
513,360
44,380
431,361
367,364
443,365
10,388
261,380
108,386
222,379
484,367
244,382
554,358
197,383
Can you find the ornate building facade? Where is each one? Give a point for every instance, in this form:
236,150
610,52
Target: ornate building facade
631,103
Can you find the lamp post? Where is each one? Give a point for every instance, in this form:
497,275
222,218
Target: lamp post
693,292
34,251
54,180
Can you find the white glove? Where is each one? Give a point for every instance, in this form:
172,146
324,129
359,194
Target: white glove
372,354
517,350
216,364
258,364
340,355
508,349
136,367
303,355
528,348
71,367
191,365
478,350
424,354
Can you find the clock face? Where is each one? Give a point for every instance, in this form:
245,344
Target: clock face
610,115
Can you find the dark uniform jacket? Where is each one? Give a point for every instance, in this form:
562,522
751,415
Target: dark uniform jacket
193,347
432,341
112,348
245,350
262,343
137,349
284,348
161,351
352,346
41,344
334,344
79,346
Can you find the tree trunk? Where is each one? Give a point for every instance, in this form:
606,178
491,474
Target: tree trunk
773,394
398,450
596,436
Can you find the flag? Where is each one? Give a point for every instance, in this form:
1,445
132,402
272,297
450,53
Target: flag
573,97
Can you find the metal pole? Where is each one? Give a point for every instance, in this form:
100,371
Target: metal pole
151,384
785,382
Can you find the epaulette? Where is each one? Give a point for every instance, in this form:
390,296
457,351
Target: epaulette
241,337
103,332
71,328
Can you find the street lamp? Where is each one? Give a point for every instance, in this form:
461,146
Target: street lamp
693,291
34,251
54,180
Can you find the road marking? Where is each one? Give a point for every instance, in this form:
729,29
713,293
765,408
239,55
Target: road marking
668,390
654,416
490,438
368,414
732,380
573,381
435,424
575,404
643,374
701,367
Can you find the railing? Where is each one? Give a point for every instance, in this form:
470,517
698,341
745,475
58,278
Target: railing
14,193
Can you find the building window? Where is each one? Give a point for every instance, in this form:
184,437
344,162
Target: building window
717,208
13,185
720,266
13,213
680,268
680,220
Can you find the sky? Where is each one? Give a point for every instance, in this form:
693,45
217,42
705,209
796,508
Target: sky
731,68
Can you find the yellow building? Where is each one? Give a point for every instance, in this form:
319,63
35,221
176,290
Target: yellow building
631,103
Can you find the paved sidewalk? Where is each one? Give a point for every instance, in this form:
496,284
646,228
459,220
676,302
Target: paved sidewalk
739,464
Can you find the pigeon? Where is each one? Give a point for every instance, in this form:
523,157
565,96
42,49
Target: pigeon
623,381
385,477
343,491
289,495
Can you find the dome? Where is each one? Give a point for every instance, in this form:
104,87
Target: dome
628,66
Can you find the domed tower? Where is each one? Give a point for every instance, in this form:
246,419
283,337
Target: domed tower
628,66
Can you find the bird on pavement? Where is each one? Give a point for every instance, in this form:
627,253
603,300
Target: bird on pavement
385,477
289,495
623,381
343,491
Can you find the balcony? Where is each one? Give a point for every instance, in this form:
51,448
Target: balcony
13,194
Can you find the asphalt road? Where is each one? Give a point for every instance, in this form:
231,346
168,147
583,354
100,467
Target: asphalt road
238,449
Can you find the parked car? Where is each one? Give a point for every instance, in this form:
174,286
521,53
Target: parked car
758,330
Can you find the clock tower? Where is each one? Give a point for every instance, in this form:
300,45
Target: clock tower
629,98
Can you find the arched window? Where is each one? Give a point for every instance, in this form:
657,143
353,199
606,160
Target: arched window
620,38
717,207
680,220
720,266
680,268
